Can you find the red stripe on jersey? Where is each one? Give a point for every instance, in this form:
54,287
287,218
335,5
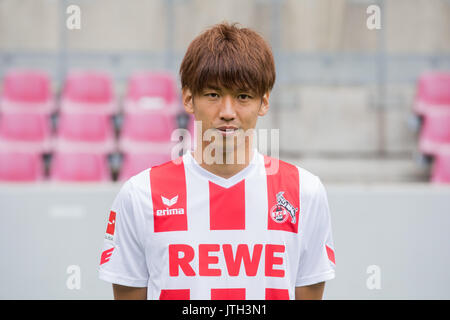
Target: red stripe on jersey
228,294
227,207
175,294
283,195
330,253
168,188
277,294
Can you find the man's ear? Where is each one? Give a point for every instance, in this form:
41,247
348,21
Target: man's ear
264,104
188,100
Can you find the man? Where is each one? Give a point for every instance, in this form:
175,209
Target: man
223,221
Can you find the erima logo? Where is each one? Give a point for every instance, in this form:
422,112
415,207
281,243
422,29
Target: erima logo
169,203
169,212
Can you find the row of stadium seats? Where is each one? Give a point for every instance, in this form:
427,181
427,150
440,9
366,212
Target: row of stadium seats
80,135
432,107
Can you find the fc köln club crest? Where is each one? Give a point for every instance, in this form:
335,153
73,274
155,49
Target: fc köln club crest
283,210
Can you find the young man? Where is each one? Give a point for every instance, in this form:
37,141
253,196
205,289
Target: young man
223,221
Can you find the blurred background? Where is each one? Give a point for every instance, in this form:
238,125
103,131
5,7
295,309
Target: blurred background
90,95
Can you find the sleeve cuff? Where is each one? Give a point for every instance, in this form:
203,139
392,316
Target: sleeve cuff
113,278
306,281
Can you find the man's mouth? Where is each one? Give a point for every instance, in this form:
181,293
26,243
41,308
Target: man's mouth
227,130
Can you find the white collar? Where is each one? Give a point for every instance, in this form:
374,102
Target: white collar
190,162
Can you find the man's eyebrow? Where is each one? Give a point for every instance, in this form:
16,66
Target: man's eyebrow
212,87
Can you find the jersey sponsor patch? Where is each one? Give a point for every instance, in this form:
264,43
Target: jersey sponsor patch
203,261
110,229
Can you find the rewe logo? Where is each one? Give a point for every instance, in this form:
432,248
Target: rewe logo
169,202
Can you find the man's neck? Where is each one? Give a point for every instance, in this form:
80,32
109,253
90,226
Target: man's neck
230,165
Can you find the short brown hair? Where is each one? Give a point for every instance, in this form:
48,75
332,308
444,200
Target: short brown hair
230,57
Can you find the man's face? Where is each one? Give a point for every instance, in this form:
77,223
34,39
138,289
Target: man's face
227,115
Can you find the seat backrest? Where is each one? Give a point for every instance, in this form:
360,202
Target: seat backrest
148,126
93,87
144,85
79,167
21,167
27,86
25,126
440,172
436,127
84,127
434,88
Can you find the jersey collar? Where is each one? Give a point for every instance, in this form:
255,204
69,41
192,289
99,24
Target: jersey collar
193,165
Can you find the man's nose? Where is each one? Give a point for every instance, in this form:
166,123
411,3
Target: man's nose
227,109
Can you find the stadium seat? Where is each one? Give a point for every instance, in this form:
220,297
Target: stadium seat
149,113
85,132
21,167
133,163
25,131
435,134
440,172
88,91
149,91
433,93
79,167
148,127
27,91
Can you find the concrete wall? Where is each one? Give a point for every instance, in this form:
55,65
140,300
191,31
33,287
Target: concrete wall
412,26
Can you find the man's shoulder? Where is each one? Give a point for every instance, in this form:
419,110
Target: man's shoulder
309,181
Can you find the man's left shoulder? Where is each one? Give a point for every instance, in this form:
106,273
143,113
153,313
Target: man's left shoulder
309,182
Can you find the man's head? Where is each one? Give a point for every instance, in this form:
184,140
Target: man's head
230,57
226,76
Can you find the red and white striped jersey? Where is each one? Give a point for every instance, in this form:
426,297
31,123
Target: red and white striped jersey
185,233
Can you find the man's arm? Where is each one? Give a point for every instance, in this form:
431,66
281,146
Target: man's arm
129,293
311,292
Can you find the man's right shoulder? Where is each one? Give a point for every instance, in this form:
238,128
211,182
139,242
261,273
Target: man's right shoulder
141,181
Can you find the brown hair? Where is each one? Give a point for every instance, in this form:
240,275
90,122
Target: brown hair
230,57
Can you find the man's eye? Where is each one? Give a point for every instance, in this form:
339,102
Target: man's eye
244,97
212,95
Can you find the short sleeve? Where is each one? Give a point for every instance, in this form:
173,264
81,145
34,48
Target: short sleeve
317,260
122,259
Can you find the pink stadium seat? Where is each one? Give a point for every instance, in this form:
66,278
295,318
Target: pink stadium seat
88,91
21,167
151,91
133,163
85,132
148,127
433,93
79,167
27,90
435,134
25,131
440,172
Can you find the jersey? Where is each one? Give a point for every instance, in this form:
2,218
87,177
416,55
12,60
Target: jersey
185,233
